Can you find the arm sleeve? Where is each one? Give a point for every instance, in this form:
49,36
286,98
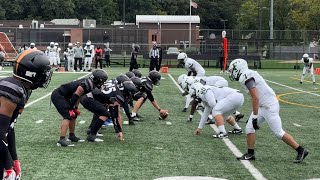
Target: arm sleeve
204,117
115,119
125,106
189,73
12,144
250,83
150,96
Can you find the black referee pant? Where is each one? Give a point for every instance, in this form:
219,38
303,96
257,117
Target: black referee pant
153,63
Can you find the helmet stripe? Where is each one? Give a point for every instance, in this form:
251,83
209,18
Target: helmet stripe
21,56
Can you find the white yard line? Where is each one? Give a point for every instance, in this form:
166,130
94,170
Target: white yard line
295,124
82,122
247,164
39,121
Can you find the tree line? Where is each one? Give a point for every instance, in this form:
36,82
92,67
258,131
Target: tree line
240,14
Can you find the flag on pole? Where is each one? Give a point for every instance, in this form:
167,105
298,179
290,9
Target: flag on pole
194,4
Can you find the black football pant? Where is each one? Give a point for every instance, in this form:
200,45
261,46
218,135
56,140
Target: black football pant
77,61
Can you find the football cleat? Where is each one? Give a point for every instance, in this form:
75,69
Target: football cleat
184,109
135,118
139,116
99,134
301,156
220,135
93,138
210,121
238,117
131,122
236,131
75,139
247,156
64,143
300,82
314,83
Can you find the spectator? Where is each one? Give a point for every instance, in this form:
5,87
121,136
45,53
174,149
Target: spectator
2,57
65,56
154,57
160,57
221,58
107,51
22,48
98,56
134,55
79,54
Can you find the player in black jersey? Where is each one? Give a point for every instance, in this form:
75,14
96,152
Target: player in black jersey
145,93
30,71
66,99
105,103
137,73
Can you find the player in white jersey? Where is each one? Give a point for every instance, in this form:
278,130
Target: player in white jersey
51,52
265,107
193,68
307,68
221,102
70,57
88,55
58,53
33,46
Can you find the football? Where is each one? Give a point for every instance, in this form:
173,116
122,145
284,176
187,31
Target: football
163,116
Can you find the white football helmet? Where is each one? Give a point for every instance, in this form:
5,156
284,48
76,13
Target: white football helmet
88,43
187,82
305,56
70,45
181,78
198,90
56,44
32,45
51,44
182,56
236,68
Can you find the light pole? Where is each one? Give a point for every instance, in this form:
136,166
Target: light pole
224,23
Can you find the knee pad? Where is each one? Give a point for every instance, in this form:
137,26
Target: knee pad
250,129
279,134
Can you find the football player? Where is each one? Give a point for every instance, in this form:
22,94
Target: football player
145,93
265,107
70,57
137,73
66,99
33,46
30,71
88,55
307,68
58,53
221,102
52,54
111,95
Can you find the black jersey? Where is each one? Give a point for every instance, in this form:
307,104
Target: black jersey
108,94
13,90
147,87
68,89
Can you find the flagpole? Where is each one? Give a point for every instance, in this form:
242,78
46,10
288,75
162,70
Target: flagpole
190,25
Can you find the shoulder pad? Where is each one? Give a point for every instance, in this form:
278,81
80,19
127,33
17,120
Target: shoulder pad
248,74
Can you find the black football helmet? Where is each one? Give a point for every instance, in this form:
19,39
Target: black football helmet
130,74
128,89
137,82
155,77
122,78
137,73
98,77
33,66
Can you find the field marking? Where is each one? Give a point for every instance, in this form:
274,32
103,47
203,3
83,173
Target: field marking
39,99
295,124
39,121
293,103
82,122
247,164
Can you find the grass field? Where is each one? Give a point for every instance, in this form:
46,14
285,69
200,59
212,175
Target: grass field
153,149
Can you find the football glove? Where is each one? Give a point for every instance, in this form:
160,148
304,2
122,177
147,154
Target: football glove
9,173
17,168
72,114
255,122
76,111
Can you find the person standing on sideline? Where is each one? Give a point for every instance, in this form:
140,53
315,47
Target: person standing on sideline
154,57
134,55
2,58
221,58
22,48
160,57
78,55
58,53
106,52
307,68
265,107
33,46
98,56
70,57
89,54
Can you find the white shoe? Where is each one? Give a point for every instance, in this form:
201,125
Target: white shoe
99,135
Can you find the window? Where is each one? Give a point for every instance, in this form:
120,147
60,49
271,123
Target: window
154,37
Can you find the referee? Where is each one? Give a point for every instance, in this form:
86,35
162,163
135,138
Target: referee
154,57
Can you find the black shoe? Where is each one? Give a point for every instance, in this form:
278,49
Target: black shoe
184,109
314,83
210,121
300,82
236,131
93,138
301,156
64,143
131,122
135,118
75,139
239,116
247,156
138,116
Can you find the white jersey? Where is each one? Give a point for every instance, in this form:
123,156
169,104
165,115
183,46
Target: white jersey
70,52
51,51
215,81
88,51
191,64
58,51
266,95
308,64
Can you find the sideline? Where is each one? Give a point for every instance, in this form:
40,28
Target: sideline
247,164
